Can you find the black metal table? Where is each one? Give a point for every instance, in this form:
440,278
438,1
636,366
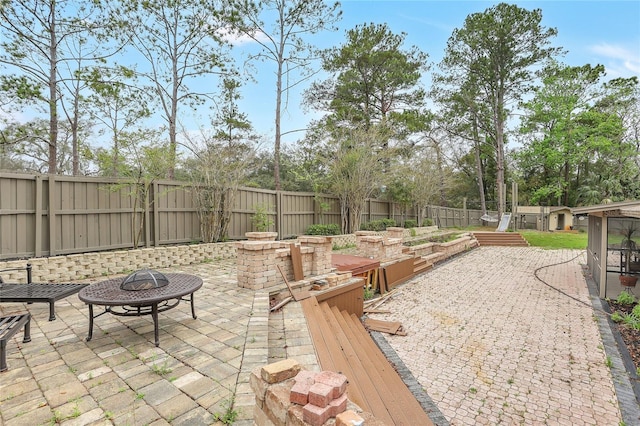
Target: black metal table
141,302
46,293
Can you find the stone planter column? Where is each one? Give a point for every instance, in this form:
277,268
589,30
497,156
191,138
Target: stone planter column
321,261
256,261
261,236
392,247
395,232
377,247
369,244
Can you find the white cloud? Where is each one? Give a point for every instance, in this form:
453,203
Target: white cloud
237,39
621,61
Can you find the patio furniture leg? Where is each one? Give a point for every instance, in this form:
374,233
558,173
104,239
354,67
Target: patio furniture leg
9,326
27,331
193,309
52,311
154,314
90,335
3,355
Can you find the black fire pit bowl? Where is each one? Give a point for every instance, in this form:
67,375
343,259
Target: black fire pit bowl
144,279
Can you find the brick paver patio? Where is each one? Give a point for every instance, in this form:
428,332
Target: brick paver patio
488,343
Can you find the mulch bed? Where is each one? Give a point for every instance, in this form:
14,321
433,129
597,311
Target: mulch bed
630,336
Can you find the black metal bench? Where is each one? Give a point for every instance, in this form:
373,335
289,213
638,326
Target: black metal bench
9,326
33,292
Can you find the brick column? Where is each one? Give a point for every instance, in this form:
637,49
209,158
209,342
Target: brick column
321,261
395,232
261,236
256,262
377,247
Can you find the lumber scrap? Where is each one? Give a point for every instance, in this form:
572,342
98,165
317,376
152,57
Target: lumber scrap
281,304
296,262
376,311
297,296
391,327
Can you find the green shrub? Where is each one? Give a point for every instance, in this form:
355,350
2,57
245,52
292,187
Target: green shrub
318,229
625,298
616,317
260,219
410,223
427,221
377,225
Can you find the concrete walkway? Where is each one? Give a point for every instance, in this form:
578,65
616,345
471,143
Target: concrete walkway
488,343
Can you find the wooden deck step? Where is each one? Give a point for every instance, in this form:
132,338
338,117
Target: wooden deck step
344,345
507,239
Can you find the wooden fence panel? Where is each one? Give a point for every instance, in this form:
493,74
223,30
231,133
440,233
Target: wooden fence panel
247,199
176,214
297,211
17,215
45,215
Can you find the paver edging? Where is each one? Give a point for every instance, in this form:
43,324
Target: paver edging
421,396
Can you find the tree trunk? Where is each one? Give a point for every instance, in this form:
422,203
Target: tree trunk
499,147
53,101
476,150
276,144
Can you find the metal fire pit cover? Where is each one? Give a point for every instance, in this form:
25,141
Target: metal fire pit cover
144,279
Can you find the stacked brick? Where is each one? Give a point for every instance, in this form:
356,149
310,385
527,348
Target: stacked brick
287,395
322,248
322,395
257,259
376,246
98,264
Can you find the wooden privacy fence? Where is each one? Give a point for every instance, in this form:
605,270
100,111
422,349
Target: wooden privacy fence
48,215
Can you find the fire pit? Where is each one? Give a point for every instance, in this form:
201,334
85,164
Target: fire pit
144,292
144,279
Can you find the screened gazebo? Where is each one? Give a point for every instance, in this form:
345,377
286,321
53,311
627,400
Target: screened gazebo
613,249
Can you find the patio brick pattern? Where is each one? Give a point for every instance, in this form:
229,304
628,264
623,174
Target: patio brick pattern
488,342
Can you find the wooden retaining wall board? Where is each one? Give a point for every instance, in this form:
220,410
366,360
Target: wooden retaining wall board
348,298
343,344
398,273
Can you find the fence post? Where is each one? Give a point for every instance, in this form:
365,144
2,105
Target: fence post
279,214
52,215
37,249
465,215
147,215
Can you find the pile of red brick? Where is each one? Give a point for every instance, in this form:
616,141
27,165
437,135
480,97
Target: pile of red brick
288,395
322,395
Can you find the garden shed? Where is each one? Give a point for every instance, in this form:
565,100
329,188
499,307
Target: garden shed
544,218
613,248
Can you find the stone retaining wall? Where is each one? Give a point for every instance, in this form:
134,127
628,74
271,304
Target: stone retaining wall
102,264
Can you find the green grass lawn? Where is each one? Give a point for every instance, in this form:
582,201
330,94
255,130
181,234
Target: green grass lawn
556,240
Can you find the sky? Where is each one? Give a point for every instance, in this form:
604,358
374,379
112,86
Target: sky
593,32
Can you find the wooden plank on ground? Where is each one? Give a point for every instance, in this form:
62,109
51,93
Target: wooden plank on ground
397,392
296,261
328,349
397,273
344,345
297,296
391,327
362,380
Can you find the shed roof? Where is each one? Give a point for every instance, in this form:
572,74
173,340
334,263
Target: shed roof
622,208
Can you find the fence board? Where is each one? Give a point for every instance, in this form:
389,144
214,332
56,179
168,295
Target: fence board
44,215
